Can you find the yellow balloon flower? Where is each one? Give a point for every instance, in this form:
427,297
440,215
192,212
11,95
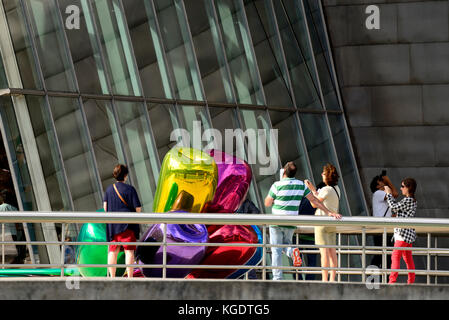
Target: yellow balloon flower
186,169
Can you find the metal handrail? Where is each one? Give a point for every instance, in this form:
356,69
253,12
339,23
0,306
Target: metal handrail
360,225
208,218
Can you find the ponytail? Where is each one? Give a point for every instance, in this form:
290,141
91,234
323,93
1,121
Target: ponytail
411,185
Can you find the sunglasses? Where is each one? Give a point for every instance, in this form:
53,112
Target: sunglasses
402,186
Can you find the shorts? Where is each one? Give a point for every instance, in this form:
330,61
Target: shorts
325,236
125,236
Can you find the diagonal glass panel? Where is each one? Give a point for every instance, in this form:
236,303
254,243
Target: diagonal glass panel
13,141
76,154
319,148
3,80
268,53
178,49
49,155
49,39
163,121
148,49
85,51
262,149
209,51
195,120
105,138
116,46
299,63
347,165
142,159
291,147
239,54
22,44
299,27
225,121
321,53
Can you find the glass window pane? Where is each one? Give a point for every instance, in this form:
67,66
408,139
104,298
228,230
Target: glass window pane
195,120
76,154
142,159
116,46
239,52
321,54
209,51
85,51
304,88
268,53
147,48
319,147
105,139
262,151
22,44
48,154
50,45
290,145
3,80
347,165
163,122
14,143
178,49
295,18
225,120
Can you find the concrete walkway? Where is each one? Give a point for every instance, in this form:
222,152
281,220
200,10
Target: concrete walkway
151,289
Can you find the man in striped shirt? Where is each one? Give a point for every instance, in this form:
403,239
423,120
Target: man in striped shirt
285,196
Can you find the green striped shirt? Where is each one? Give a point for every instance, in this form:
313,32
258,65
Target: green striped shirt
287,195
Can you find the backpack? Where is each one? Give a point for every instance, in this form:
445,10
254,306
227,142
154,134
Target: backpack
305,207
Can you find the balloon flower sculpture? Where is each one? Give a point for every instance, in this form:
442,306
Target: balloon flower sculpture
234,179
190,181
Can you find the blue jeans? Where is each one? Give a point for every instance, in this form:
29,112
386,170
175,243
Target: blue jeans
280,235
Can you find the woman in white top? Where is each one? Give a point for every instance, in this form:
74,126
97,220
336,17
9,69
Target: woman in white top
330,196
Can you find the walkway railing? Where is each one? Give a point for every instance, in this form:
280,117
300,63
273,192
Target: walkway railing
346,227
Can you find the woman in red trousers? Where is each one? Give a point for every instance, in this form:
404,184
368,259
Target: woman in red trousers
404,238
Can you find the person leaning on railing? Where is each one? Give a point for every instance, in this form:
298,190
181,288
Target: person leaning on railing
121,197
403,237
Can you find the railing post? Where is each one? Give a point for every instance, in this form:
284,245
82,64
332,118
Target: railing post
339,258
436,259
297,243
63,227
164,253
429,243
3,246
348,256
264,252
384,255
363,254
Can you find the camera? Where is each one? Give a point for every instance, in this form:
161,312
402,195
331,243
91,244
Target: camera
383,174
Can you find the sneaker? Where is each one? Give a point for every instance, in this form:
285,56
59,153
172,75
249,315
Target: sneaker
296,257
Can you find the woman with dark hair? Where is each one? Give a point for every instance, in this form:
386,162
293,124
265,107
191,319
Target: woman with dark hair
330,197
403,237
121,197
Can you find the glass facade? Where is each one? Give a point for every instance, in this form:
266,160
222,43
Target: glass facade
114,85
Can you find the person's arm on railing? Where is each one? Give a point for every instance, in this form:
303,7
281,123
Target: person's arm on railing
315,201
